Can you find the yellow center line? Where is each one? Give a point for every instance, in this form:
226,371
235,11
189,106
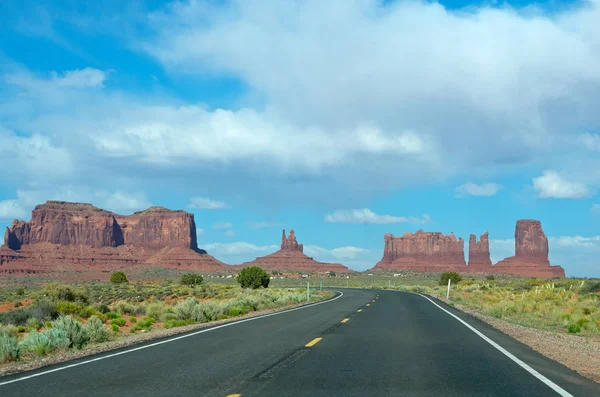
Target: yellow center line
373,300
313,342
345,320
359,310
234,395
368,304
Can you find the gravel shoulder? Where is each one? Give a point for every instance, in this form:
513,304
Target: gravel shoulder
579,353
130,340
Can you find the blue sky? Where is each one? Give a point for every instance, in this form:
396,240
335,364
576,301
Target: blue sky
344,120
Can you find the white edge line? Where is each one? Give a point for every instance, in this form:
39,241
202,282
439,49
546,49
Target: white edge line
526,367
168,340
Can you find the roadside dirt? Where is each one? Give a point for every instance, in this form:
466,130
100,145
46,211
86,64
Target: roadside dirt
579,353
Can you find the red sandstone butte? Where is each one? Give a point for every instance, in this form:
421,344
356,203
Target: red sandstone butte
531,253
479,253
424,251
291,258
64,237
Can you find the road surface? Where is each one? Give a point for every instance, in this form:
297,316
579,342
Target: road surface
364,343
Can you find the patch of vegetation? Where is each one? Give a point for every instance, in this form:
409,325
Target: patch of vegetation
191,279
454,277
118,278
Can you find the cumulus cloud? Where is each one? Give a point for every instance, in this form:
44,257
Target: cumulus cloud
552,185
260,225
472,189
199,232
206,203
238,248
591,141
366,216
222,225
12,209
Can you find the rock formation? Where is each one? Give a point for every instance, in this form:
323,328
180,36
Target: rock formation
291,258
531,253
479,252
424,251
77,237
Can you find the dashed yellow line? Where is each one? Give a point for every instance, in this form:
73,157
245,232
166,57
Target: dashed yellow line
345,320
373,300
359,310
313,342
234,395
368,304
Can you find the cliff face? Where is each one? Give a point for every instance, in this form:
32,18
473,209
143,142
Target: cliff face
422,251
479,252
84,240
59,222
531,253
291,258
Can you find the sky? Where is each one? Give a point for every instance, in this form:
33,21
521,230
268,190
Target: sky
342,120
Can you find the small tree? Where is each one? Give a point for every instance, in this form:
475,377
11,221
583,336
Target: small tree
191,279
490,277
331,274
118,278
455,277
253,277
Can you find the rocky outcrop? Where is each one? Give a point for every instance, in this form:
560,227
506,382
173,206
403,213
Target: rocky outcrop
77,237
290,243
424,251
290,258
479,252
531,253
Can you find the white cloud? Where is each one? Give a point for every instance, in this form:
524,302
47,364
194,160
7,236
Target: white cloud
591,141
78,78
552,185
260,225
230,233
222,225
366,216
595,209
122,201
238,248
348,252
12,209
472,189
199,232
206,203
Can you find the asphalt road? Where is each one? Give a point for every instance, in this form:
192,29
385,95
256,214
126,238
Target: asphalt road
398,344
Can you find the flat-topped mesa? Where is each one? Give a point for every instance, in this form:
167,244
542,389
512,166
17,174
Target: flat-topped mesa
292,258
479,252
531,253
290,243
64,223
427,251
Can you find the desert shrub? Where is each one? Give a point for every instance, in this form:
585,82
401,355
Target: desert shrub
133,319
156,309
574,328
32,323
115,327
96,330
234,311
20,292
112,315
9,348
253,277
172,323
591,288
206,311
103,308
75,331
17,304
144,324
453,276
118,321
58,292
168,316
9,331
128,308
221,317
42,343
42,310
185,309
490,278
118,278
191,279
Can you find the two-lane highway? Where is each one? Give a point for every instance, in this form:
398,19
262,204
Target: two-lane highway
364,343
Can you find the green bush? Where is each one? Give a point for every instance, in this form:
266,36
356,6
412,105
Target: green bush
112,315
32,323
191,279
17,304
253,277
574,329
133,319
103,308
453,276
156,309
58,292
118,278
96,330
185,309
42,310
592,288
488,278
20,292
9,348
9,331
42,343
75,331
118,321
115,327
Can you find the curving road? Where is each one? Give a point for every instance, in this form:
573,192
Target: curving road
363,343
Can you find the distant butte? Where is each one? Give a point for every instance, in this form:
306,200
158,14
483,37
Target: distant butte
78,240
436,252
291,258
